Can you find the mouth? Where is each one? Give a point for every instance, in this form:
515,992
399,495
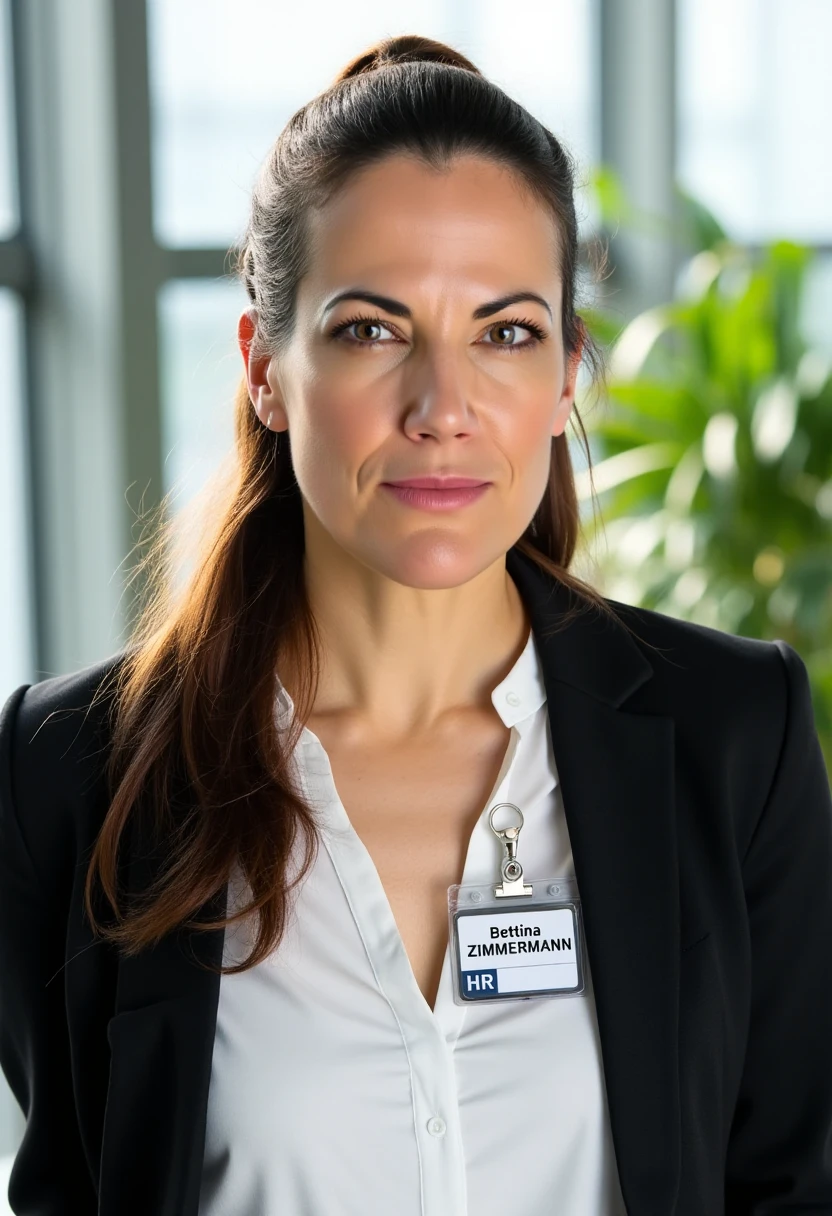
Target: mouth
432,499
438,483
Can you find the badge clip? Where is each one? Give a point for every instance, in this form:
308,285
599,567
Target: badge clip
511,870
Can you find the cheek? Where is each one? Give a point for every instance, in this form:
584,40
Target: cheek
537,471
528,425
526,433
332,438
529,452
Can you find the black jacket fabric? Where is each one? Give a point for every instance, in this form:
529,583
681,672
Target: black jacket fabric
700,817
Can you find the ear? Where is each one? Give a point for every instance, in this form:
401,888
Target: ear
260,375
567,397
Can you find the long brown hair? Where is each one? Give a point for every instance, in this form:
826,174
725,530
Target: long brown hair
193,703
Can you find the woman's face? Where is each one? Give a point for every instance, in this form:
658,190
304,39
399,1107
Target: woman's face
424,383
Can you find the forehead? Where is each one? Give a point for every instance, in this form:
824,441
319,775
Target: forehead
473,225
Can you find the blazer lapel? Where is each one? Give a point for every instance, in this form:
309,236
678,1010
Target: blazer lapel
617,781
161,1041
616,775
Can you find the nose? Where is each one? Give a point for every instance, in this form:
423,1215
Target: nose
438,400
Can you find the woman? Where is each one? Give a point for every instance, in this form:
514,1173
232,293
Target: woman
411,264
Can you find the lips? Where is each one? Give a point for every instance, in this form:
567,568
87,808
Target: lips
439,483
430,499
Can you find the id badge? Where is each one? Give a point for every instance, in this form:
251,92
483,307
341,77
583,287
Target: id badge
515,940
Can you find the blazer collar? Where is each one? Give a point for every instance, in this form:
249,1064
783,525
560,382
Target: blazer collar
590,652
617,781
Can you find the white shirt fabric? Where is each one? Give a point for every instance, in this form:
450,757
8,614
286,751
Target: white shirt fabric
336,1090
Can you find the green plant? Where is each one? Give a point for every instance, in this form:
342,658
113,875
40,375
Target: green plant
714,452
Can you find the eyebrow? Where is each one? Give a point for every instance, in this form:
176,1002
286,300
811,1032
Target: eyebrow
401,310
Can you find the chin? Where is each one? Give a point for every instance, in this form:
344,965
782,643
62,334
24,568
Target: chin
432,564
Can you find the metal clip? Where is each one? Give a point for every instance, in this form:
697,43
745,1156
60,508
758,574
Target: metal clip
510,869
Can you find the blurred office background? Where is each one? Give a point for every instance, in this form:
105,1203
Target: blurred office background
130,132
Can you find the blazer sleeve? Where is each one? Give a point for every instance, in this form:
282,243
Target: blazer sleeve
49,1175
779,1157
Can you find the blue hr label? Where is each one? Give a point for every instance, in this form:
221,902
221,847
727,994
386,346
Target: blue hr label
479,983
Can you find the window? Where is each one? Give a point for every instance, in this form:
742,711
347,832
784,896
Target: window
16,653
201,366
755,95
8,177
223,88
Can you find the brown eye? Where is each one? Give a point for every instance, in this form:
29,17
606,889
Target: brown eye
364,326
506,331
360,325
503,330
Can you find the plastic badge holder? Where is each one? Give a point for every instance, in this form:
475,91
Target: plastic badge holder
517,939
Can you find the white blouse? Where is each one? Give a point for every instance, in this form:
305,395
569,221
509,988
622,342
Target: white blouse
337,1091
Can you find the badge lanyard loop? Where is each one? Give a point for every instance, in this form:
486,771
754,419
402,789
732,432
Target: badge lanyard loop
510,869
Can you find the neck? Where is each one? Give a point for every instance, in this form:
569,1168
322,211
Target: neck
399,660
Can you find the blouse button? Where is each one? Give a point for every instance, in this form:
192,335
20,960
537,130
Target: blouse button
436,1126
512,698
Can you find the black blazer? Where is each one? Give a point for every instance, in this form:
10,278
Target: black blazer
700,817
